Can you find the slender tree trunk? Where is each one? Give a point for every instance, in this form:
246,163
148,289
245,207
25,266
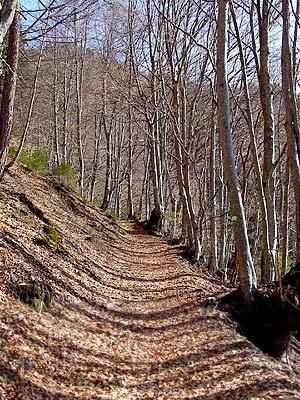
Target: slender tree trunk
55,102
30,110
268,268
144,184
130,124
268,181
246,270
213,265
107,131
291,121
67,82
223,226
154,125
80,54
285,216
96,156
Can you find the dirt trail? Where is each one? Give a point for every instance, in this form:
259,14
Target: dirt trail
128,320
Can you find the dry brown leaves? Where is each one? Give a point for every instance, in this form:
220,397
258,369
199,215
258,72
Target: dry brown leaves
127,321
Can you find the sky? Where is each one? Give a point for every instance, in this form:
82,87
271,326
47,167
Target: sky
29,3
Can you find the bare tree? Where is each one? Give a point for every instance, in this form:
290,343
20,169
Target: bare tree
246,270
268,178
7,9
291,120
268,261
10,79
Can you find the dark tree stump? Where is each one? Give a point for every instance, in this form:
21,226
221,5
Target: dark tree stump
155,222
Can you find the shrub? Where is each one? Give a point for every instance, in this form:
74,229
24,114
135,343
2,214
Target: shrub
65,173
36,160
12,151
51,237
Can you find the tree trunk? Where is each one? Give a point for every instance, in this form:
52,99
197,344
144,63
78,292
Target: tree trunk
268,267
291,121
30,110
55,101
7,16
268,270
96,156
9,87
213,264
285,216
246,270
130,124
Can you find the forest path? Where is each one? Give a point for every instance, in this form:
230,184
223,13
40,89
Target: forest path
128,322
165,345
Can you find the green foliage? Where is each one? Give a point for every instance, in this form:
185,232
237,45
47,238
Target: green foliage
112,214
64,172
36,160
51,237
12,151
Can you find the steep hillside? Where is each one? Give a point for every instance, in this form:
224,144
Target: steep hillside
128,319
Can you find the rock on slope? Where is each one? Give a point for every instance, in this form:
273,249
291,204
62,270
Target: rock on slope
126,319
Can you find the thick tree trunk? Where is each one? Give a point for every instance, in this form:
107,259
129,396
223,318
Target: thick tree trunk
7,8
9,87
246,270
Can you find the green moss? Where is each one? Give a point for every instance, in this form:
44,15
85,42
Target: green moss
155,232
109,235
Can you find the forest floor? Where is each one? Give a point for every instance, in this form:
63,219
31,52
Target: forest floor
128,320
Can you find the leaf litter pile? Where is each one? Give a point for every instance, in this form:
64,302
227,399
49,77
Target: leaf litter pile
127,319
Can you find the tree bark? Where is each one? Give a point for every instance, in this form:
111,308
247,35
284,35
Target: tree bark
8,9
291,121
268,267
213,264
246,270
30,110
9,87
268,181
